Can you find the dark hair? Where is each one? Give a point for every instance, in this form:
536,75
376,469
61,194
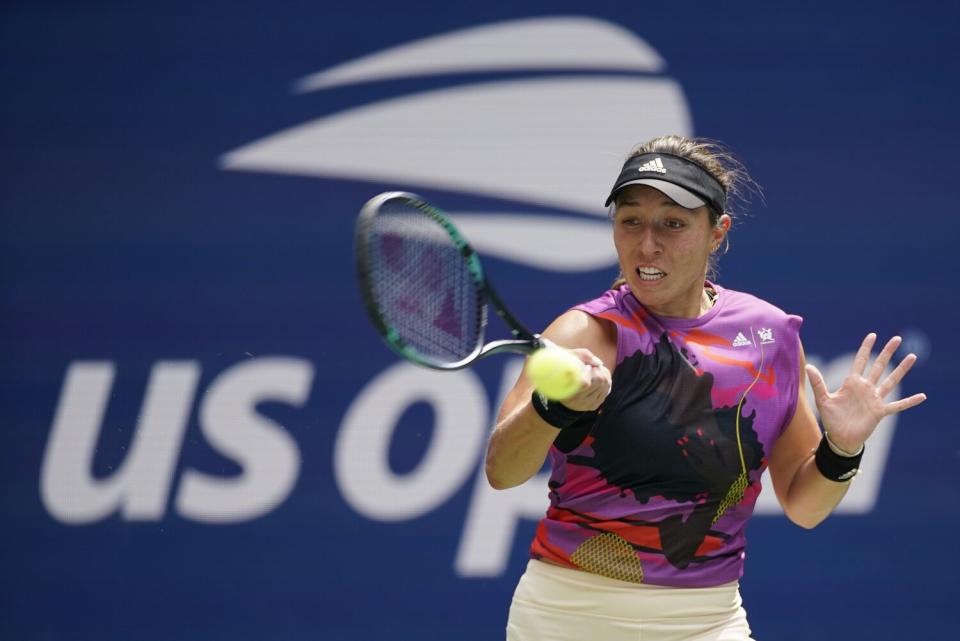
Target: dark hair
720,163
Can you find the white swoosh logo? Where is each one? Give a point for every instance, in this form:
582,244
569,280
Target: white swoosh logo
555,142
551,243
558,42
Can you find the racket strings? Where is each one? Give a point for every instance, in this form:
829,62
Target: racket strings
421,285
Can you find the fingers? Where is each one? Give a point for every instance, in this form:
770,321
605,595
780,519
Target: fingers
596,373
880,365
588,399
863,355
596,382
819,386
891,381
896,375
904,404
600,380
588,357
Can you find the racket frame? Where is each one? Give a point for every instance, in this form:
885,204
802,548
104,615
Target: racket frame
523,342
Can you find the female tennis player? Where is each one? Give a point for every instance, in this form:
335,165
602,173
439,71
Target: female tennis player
692,390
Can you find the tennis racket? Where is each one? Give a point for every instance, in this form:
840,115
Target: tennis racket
424,288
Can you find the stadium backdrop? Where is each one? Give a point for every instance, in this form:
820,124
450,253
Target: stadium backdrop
203,437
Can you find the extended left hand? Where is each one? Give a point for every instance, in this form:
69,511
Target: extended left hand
852,413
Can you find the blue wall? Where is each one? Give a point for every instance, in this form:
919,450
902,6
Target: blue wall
203,436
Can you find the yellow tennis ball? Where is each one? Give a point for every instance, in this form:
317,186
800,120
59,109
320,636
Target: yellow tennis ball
555,372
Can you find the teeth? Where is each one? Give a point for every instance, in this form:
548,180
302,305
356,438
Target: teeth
650,273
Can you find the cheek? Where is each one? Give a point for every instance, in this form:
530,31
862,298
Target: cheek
693,244
692,252
618,243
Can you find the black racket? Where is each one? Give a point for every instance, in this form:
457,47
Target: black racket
424,288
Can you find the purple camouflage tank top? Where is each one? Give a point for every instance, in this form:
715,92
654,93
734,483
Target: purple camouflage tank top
658,487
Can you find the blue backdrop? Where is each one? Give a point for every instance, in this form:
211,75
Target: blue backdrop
204,438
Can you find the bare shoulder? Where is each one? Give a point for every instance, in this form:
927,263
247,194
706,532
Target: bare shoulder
576,328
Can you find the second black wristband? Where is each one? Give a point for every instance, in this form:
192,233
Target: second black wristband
834,466
554,412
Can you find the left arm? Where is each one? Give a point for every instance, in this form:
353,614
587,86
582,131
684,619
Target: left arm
850,415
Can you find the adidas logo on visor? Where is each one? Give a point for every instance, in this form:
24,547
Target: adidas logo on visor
654,165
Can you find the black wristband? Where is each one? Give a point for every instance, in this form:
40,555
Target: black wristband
554,412
834,466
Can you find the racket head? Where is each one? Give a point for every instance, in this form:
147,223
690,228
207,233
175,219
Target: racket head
422,284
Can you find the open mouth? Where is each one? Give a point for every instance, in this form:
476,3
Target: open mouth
650,273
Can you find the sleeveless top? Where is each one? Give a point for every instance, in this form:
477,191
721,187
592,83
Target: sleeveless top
658,486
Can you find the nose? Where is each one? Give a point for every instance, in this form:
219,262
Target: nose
649,242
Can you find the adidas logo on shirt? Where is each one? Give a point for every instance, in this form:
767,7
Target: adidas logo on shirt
654,165
741,340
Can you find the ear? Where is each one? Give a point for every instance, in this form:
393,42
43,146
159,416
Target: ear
720,231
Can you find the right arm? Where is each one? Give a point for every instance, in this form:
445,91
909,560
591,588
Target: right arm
521,439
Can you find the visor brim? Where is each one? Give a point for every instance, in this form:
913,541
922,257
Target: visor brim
683,197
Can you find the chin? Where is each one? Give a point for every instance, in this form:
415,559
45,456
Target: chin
650,294
648,288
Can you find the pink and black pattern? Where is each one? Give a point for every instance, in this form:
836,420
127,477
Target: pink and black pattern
678,436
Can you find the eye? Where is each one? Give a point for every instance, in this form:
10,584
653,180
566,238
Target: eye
674,223
630,221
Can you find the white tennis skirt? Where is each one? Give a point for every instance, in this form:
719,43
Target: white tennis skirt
554,603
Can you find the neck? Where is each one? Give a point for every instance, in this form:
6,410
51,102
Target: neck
696,306
704,304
